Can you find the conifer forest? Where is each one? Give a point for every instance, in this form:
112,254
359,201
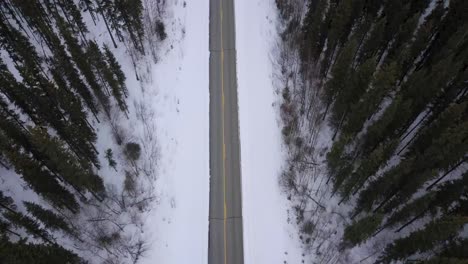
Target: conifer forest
63,93
354,113
375,119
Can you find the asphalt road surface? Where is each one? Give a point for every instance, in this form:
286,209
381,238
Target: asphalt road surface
225,223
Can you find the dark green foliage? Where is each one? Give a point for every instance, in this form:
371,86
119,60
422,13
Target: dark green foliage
432,202
368,167
115,68
55,83
51,105
73,16
108,78
393,90
76,172
124,16
132,151
312,29
20,220
456,250
129,183
106,240
28,253
362,229
423,240
110,158
50,219
161,30
39,179
84,65
340,72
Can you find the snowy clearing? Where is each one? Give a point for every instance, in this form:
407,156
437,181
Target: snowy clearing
179,224
268,235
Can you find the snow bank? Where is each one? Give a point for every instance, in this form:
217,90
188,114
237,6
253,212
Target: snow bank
178,227
268,238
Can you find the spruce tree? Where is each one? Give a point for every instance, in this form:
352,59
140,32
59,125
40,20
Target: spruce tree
39,179
50,219
29,253
360,230
107,76
423,240
76,172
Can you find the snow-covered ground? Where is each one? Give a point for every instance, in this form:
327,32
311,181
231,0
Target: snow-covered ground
178,226
269,236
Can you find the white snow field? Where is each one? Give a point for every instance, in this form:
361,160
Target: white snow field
178,227
268,235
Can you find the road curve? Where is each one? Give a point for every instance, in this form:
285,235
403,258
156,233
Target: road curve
225,216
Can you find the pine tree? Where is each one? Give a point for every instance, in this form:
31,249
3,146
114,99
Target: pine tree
369,103
360,230
36,17
20,220
423,240
108,78
116,69
42,96
110,159
84,65
340,26
105,8
50,219
313,37
73,16
367,168
352,92
130,16
384,186
74,171
63,68
431,202
340,73
395,85
372,45
29,253
39,179
455,252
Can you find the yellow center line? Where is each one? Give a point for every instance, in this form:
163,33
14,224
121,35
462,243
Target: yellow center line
222,124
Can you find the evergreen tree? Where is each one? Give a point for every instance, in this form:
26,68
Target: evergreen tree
39,179
78,173
312,31
362,229
394,76
73,16
110,159
50,219
367,168
340,73
83,64
29,253
108,78
43,96
116,69
423,240
20,220
129,14
432,202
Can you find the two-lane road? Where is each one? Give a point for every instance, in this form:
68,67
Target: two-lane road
225,216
